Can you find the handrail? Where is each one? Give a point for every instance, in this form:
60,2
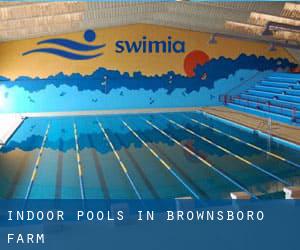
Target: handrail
242,84
230,99
265,103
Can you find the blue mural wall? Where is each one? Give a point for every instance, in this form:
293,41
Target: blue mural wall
109,89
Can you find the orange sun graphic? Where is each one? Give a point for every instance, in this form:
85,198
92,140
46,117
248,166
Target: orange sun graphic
192,59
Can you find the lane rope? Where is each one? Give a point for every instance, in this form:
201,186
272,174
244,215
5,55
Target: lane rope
37,164
122,165
235,183
79,164
230,153
165,164
244,142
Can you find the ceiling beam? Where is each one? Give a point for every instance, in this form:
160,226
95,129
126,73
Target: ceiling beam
263,19
287,35
41,30
291,10
254,39
16,24
40,9
250,29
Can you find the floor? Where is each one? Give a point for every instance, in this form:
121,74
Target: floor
109,112
9,123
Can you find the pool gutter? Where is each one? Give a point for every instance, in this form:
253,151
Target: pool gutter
12,130
109,112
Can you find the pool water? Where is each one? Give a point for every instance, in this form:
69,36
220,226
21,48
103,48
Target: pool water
147,156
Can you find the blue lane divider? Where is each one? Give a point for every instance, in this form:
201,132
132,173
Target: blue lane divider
122,165
230,153
205,162
79,165
244,142
163,162
251,130
37,164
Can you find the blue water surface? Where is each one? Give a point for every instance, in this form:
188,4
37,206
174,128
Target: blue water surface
148,156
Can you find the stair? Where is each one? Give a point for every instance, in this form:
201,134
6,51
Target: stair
277,96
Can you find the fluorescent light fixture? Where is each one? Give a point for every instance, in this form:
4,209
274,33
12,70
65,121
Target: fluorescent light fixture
244,28
291,10
287,35
263,19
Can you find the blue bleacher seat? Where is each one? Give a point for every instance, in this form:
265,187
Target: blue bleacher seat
276,96
289,98
279,84
275,102
282,79
286,75
285,91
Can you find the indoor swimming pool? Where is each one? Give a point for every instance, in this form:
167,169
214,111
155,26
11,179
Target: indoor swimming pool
143,156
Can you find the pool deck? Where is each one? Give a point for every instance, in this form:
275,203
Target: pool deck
280,130
110,112
9,123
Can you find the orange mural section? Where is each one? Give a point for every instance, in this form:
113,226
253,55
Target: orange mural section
196,50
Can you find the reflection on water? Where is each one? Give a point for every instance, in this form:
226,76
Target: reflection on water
167,162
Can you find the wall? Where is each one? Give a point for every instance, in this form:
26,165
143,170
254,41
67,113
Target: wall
134,66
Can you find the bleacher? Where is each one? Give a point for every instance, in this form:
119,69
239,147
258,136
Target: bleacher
277,96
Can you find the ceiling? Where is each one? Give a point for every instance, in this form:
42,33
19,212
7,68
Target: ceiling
21,20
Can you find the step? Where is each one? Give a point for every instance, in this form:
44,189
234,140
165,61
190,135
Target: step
279,84
278,90
267,108
283,79
289,98
286,75
272,109
265,100
257,112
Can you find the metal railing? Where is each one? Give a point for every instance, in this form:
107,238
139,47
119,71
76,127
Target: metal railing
255,103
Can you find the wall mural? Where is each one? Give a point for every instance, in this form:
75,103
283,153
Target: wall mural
134,66
89,36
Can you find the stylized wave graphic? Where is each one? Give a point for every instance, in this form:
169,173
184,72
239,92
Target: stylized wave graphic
71,44
62,53
137,80
89,36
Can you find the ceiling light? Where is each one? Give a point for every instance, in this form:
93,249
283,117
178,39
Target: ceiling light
264,19
244,28
287,35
